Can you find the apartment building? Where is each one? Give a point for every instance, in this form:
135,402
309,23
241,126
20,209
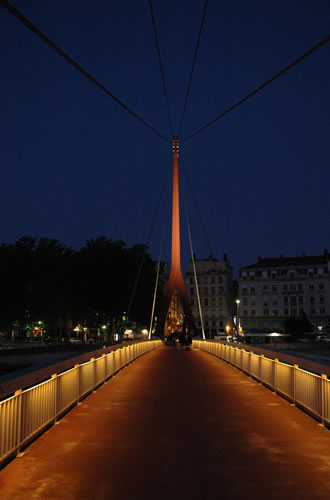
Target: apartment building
275,289
214,280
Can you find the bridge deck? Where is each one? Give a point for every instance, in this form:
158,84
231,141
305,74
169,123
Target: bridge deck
176,425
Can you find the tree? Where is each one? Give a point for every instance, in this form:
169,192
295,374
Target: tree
298,326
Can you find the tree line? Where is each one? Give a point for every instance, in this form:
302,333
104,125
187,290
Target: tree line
43,281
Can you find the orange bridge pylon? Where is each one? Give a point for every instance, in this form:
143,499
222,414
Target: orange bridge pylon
175,281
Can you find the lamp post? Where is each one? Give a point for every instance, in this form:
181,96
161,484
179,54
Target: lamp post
237,317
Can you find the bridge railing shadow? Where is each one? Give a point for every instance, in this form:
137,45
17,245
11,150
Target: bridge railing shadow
305,389
31,410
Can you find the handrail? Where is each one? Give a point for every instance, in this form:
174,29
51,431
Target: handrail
31,407
304,388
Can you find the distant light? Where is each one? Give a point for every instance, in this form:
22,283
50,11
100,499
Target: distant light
128,331
104,327
237,301
274,334
144,330
77,329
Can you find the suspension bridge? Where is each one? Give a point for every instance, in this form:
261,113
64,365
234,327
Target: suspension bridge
175,423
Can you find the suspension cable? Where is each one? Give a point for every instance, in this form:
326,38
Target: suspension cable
193,66
148,241
265,84
156,287
73,63
161,67
197,209
194,267
228,303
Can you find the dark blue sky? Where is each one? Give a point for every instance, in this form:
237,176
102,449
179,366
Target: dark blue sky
75,165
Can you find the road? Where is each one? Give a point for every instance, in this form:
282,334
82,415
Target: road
176,425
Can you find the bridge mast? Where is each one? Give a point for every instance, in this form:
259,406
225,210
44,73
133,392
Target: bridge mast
175,287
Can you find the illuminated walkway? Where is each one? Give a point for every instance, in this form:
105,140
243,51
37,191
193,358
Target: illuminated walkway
176,425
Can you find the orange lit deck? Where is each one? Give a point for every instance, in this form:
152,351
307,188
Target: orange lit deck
176,425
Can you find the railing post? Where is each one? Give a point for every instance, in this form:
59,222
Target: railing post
276,361
104,367
324,387
92,360
78,381
261,362
54,378
295,368
18,394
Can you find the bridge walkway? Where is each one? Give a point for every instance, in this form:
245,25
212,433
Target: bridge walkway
176,425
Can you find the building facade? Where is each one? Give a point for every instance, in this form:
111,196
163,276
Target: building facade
275,289
214,280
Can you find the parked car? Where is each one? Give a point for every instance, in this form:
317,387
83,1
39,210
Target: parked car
322,338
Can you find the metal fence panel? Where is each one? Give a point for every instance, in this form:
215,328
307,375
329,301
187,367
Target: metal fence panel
67,389
109,359
99,370
86,377
308,390
267,371
38,408
254,366
284,379
238,358
326,400
116,360
9,421
246,361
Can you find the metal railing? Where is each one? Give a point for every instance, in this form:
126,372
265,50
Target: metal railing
29,411
305,389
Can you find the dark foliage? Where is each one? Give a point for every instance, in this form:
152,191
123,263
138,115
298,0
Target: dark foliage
298,326
44,280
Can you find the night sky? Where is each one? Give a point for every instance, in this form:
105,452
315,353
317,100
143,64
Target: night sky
75,165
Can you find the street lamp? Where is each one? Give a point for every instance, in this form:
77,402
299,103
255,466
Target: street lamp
237,318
